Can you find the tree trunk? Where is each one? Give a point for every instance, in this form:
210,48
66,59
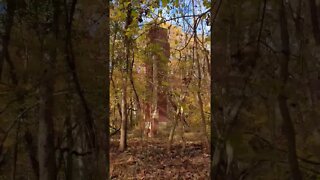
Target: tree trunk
171,135
124,119
200,102
4,55
70,58
15,152
182,130
314,21
46,146
47,158
69,137
106,130
80,165
139,108
32,152
288,125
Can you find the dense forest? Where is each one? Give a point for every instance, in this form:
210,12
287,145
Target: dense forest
170,89
53,90
160,89
265,89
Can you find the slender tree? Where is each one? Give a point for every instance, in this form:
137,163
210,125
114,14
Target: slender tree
46,146
288,125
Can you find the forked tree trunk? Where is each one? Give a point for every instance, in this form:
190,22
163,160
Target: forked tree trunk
171,135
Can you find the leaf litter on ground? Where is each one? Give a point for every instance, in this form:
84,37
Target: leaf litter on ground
151,159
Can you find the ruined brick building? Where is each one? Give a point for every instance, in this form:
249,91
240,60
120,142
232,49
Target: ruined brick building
156,104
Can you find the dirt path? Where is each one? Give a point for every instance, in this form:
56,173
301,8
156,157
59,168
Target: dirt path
152,160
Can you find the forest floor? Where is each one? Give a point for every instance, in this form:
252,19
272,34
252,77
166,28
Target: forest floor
151,159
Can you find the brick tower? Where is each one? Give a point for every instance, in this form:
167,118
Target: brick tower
156,77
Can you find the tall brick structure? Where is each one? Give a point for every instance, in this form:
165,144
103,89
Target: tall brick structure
156,77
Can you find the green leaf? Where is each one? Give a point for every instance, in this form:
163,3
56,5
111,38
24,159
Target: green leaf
135,14
165,3
207,3
176,3
126,4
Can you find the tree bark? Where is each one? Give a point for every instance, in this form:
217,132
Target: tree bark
46,146
15,152
171,135
5,56
124,120
47,158
139,109
287,124
69,138
200,102
32,152
106,133
70,58
315,21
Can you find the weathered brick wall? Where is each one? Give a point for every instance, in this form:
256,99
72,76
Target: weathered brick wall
158,37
